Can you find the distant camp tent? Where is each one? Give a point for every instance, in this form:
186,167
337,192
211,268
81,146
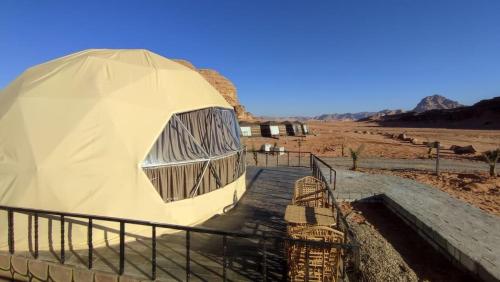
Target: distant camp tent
118,133
270,129
294,128
305,129
250,129
282,129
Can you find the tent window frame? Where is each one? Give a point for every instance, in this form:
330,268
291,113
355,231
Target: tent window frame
219,120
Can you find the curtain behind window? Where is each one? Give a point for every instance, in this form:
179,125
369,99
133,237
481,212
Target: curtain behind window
198,145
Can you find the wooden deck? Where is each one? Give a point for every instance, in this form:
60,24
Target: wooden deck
260,211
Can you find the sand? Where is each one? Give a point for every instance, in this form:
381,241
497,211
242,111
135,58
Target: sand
328,137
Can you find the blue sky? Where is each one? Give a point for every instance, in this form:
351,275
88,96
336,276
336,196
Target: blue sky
285,57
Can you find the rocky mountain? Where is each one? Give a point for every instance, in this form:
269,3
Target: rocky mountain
358,116
435,102
428,103
344,116
338,117
484,114
225,87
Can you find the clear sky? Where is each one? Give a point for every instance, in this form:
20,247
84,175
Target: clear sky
285,57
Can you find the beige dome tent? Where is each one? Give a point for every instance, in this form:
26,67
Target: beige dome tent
119,133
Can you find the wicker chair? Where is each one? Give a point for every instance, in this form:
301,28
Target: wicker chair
324,263
310,192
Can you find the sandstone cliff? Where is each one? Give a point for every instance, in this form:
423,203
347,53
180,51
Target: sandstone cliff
225,87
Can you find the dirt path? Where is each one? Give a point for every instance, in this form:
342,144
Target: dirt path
462,166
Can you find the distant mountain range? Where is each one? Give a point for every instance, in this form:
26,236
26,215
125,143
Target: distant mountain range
356,116
484,114
428,103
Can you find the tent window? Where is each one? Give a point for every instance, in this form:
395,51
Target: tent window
196,153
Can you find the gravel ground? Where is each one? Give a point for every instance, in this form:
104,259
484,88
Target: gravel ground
391,251
379,260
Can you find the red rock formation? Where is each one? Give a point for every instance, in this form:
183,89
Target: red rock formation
225,87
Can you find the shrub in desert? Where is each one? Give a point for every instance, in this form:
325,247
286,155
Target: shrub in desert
355,155
255,155
430,146
491,157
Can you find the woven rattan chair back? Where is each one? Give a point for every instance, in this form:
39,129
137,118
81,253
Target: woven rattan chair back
310,192
324,263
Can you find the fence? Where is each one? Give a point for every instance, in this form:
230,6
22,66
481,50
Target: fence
277,158
272,159
261,242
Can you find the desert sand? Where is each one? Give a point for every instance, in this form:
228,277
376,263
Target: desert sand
327,138
474,188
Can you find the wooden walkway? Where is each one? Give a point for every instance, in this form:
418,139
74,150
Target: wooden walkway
260,211
466,234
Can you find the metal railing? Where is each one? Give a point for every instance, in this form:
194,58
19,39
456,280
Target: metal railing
350,245
315,163
278,158
342,223
272,158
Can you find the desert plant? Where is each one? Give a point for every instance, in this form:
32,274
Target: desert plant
355,155
430,146
491,157
275,147
255,156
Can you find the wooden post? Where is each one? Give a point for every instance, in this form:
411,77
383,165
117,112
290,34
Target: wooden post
437,156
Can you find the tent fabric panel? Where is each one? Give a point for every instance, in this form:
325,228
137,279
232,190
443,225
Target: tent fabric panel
175,144
178,182
246,131
274,129
175,182
215,129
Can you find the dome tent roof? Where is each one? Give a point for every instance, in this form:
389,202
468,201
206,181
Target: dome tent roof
74,131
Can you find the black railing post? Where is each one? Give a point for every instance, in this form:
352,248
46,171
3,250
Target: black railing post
330,176
264,258
288,157
122,247
334,180
188,255
307,263
10,219
153,254
224,257
438,147
277,158
266,158
62,240
299,157
89,243
338,217
36,235
284,275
